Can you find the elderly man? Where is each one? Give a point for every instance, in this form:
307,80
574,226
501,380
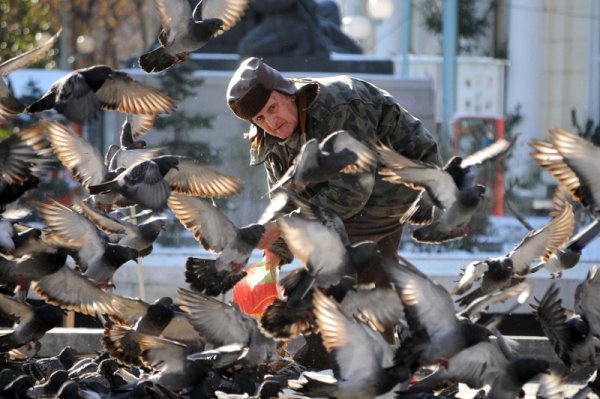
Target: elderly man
285,113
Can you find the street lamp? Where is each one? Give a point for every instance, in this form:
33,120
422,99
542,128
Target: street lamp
380,9
357,27
85,44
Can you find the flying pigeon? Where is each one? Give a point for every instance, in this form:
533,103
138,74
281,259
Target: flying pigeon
185,31
137,236
364,361
325,252
85,162
317,162
81,94
33,322
223,324
574,336
96,258
497,273
458,202
567,256
429,310
157,319
571,160
150,183
215,232
9,105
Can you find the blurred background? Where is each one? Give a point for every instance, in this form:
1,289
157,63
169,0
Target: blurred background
473,71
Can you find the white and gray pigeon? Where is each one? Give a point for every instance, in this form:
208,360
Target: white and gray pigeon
81,95
9,104
317,162
498,273
458,201
185,31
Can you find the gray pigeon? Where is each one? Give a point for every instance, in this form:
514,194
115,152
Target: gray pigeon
572,336
215,232
81,95
567,256
85,162
97,258
518,372
364,361
150,183
325,252
430,312
572,161
169,359
33,322
9,105
317,162
137,236
157,319
222,324
458,202
475,366
185,31
25,157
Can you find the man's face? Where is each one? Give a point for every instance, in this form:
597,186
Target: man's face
279,116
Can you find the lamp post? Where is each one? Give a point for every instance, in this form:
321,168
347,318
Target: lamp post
361,27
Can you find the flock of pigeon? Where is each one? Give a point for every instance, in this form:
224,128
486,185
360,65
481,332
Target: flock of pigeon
195,345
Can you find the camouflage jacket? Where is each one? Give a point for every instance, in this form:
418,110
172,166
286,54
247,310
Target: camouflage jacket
371,115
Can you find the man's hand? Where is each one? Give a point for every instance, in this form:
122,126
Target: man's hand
270,235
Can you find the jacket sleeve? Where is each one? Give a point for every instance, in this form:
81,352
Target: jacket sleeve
407,135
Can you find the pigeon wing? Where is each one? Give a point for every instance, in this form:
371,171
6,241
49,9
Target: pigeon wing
121,93
218,322
76,154
28,58
15,309
542,243
587,300
193,178
229,11
418,175
342,141
210,227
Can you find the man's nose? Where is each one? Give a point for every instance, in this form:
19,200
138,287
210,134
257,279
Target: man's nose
271,120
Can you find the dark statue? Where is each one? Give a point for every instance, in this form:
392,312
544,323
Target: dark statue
286,27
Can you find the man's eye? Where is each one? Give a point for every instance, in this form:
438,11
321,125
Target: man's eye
273,108
259,119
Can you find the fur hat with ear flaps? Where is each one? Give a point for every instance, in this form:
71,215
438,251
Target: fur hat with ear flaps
251,85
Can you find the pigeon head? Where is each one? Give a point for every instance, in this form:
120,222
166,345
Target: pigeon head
365,254
166,163
525,369
49,316
251,234
211,26
96,75
473,333
578,328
